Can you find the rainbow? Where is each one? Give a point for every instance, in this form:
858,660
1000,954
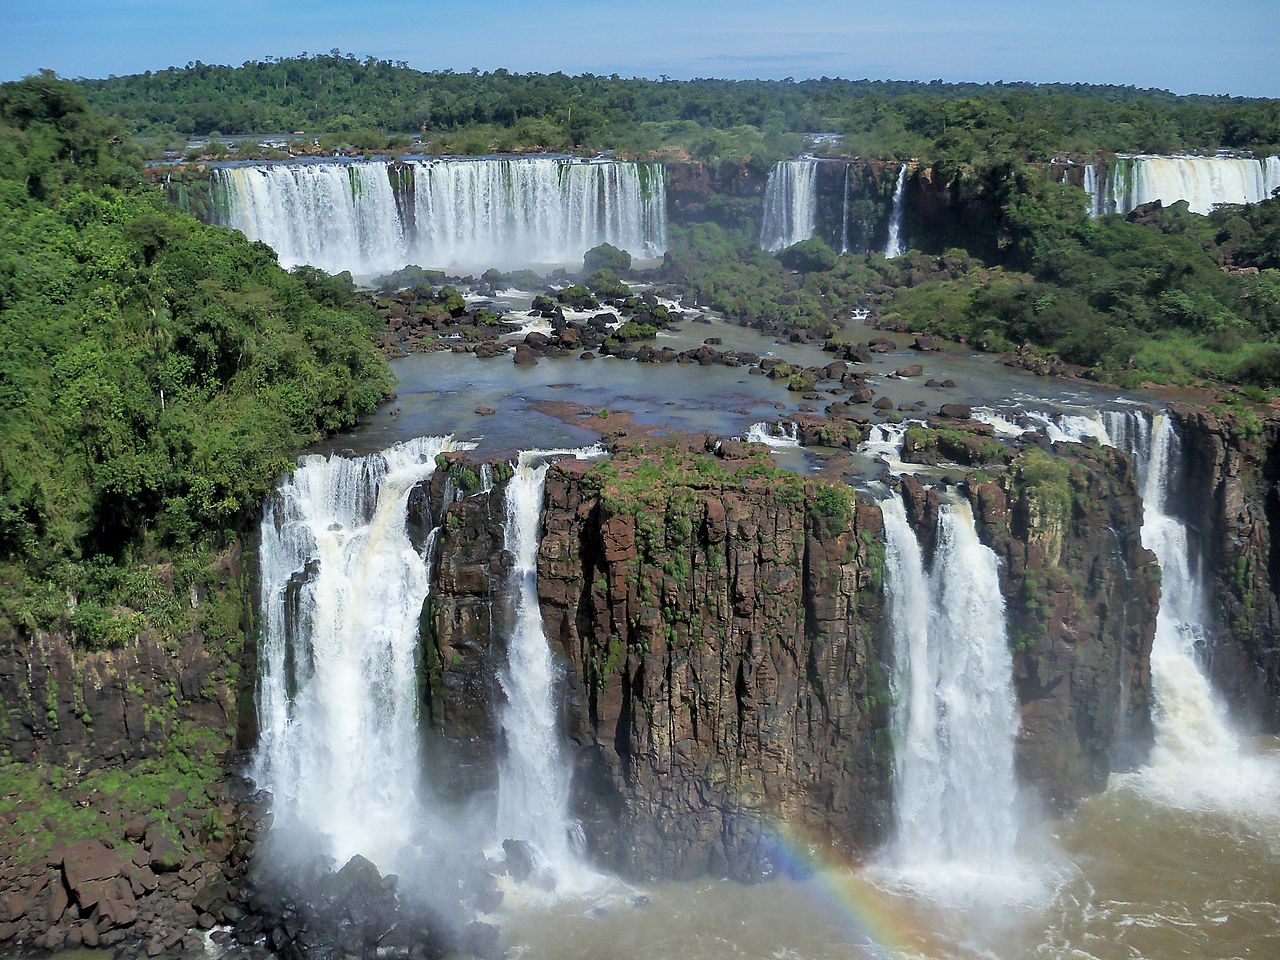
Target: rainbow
878,924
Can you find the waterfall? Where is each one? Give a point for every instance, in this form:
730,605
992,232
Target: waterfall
534,776
955,719
885,442
780,434
336,216
845,199
1198,761
1203,182
535,210
374,216
1093,189
895,247
790,204
341,591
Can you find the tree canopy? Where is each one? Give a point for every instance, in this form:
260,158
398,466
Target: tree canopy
158,374
473,112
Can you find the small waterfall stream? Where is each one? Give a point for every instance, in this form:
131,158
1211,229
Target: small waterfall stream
775,434
955,717
845,200
1198,760
895,246
534,776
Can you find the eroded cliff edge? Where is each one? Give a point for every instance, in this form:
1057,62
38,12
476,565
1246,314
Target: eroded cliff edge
728,663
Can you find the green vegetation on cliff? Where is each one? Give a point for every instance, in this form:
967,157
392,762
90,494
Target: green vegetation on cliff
157,375
1174,297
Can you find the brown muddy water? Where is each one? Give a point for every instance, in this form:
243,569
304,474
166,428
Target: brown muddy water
1124,877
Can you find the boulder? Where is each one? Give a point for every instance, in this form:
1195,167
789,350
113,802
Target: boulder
90,870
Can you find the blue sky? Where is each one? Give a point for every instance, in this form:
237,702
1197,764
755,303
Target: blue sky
1190,46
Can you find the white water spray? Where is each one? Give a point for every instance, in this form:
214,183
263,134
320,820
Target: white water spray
342,588
775,434
1198,761
845,200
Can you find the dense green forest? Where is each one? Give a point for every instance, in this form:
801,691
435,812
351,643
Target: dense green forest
479,112
157,375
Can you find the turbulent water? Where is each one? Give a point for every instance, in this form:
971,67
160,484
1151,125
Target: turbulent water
1201,181
1199,761
955,720
374,216
534,776
894,246
772,434
790,204
342,588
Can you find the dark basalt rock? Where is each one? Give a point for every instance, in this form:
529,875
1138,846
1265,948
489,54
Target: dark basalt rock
520,859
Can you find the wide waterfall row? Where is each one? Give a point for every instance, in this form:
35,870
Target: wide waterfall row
955,717
1204,182
375,216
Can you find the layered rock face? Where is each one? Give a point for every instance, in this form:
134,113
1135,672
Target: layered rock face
1230,465
726,651
60,702
851,198
723,645
720,639
119,816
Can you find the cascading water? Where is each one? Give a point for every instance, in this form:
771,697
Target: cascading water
790,204
955,718
342,588
885,442
1198,760
374,216
534,777
335,216
894,246
1201,181
781,434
